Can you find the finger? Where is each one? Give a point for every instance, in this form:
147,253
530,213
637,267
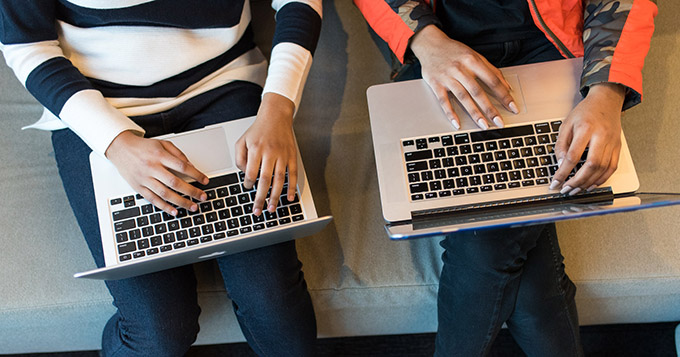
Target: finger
177,185
252,168
597,160
613,165
241,154
182,164
263,185
560,149
155,200
465,99
442,95
292,178
165,191
500,88
277,185
490,113
569,161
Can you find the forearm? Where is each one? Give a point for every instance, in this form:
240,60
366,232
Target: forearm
616,39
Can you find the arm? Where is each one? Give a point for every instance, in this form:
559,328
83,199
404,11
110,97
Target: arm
616,40
31,48
268,146
448,66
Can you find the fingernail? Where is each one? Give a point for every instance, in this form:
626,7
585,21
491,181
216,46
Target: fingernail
204,197
455,124
257,211
575,191
205,180
554,184
482,123
193,208
173,212
498,121
565,189
559,162
270,208
513,107
591,188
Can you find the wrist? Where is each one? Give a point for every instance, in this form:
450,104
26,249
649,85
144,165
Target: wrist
121,140
613,93
277,107
425,40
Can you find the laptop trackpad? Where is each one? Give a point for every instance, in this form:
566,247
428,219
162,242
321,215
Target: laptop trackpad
208,149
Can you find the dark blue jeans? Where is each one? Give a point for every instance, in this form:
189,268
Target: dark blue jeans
513,276
158,313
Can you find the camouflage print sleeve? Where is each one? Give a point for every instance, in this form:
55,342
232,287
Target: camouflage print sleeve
416,14
604,22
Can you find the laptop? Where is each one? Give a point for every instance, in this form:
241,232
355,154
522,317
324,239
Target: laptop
435,180
138,238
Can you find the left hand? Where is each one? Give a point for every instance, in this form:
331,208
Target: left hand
594,123
267,149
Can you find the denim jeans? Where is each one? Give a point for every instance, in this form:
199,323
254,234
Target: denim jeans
513,276
157,314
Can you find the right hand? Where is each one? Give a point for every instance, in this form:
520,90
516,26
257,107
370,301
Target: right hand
146,163
450,66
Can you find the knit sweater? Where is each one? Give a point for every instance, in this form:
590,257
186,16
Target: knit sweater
94,63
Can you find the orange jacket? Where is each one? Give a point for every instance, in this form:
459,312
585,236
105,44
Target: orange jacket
613,36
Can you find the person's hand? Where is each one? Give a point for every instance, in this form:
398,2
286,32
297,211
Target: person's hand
148,165
449,66
267,149
594,123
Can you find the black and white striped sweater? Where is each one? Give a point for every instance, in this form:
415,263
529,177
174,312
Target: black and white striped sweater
94,63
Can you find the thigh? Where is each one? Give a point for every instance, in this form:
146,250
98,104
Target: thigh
478,286
146,302
545,319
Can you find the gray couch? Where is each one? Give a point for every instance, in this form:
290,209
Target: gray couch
626,266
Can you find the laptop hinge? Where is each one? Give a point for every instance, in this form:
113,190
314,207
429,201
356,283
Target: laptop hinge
596,195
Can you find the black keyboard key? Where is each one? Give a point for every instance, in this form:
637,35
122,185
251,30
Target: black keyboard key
491,146
206,239
138,255
447,162
143,243
472,190
282,211
435,164
408,143
129,201
439,152
452,151
142,221
127,247
147,209
466,170
219,236
513,184
173,225
194,232
502,177
526,183
458,192
532,162
475,181
461,182
421,143
156,241
542,128
486,188
245,220
191,242
248,209
211,217
155,218
526,152
465,149
284,220
182,235
179,245
207,229
430,195
186,222
220,226
135,234
218,181
474,159
445,193
231,201
502,133
418,155
126,213
517,142
218,204
125,257
500,186
453,172
435,185
447,140
542,181
233,223
168,238
167,217
298,218
198,220
232,233
416,197
433,139
270,224
413,177
244,230
478,147
166,248
461,138
205,207
116,201
555,125
515,175
416,166
124,225
121,237
224,214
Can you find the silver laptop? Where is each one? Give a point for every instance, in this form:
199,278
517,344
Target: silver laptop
434,180
138,238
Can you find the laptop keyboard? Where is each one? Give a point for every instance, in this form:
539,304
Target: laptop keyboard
446,165
142,229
